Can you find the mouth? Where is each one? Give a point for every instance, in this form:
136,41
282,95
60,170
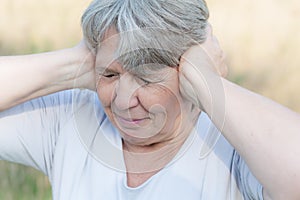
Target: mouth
124,121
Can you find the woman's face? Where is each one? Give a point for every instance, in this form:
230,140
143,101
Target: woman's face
145,109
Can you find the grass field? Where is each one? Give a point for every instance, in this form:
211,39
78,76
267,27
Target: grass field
261,40
22,183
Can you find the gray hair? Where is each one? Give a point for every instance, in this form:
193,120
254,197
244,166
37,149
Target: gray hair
151,31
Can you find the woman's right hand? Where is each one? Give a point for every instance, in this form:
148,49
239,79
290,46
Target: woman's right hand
85,74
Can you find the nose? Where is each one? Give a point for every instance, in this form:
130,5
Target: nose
126,92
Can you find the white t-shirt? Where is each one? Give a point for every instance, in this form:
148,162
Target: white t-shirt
68,137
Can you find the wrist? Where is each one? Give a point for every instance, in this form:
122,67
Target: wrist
210,93
75,68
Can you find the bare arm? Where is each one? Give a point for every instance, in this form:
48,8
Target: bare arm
30,76
264,133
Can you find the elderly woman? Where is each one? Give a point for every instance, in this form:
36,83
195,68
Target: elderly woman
147,131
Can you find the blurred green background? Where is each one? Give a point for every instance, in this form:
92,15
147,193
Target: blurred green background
261,40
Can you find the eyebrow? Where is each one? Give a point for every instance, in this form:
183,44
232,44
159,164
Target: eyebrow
111,67
100,69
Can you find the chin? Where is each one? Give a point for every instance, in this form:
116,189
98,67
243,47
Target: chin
136,139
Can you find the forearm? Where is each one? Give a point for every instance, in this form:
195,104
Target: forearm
30,76
264,133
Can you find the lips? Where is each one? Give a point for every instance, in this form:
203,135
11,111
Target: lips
130,121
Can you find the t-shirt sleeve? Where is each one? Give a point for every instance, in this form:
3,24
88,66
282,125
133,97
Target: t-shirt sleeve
246,181
29,131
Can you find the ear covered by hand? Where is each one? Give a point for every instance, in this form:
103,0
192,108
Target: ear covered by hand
199,65
85,73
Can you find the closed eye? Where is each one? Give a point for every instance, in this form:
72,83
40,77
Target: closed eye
146,82
109,75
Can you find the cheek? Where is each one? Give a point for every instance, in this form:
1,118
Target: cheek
165,108
105,93
160,100
173,107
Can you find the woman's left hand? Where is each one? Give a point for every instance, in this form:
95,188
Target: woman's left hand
200,64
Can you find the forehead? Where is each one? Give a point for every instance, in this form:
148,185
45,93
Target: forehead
144,63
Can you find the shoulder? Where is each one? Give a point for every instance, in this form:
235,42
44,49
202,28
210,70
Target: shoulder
212,140
216,145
